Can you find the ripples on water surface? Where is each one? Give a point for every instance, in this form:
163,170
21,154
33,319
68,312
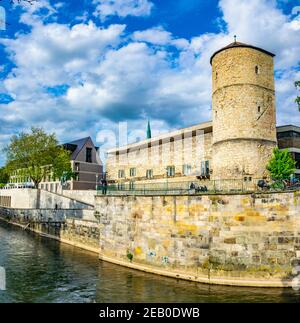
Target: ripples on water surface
43,270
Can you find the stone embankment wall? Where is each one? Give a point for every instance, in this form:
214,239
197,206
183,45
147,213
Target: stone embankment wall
41,199
55,216
250,240
82,196
75,227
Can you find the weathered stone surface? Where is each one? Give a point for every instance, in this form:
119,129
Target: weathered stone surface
244,117
213,239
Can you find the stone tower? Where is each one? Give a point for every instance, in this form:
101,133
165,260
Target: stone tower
244,116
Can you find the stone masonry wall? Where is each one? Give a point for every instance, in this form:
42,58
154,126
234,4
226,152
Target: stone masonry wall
57,224
251,240
81,195
244,114
191,150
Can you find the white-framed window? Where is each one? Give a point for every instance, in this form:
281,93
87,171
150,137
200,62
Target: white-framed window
121,173
132,172
149,173
186,170
205,168
171,171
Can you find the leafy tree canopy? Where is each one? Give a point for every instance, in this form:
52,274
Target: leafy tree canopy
282,165
38,155
4,177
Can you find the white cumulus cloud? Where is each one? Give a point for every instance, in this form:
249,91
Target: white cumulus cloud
122,8
104,75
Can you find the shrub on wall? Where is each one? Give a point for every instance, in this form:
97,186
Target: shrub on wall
282,165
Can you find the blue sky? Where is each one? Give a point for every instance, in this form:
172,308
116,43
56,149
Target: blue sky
80,67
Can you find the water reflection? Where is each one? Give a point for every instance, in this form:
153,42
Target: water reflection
43,270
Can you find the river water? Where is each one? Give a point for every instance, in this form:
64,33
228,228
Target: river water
42,270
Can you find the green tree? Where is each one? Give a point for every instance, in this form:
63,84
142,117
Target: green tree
297,84
282,165
38,155
4,177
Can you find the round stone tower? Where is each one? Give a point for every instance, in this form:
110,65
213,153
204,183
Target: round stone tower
244,116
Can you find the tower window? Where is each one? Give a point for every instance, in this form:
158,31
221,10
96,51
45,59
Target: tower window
258,109
257,71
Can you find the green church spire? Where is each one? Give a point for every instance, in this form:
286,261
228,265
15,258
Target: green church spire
149,136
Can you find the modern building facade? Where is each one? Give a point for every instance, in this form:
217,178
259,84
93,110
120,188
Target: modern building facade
288,137
85,163
236,144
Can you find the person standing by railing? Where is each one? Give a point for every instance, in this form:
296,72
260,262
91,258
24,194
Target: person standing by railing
104,186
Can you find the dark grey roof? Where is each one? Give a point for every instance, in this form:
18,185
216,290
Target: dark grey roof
238,44
76,146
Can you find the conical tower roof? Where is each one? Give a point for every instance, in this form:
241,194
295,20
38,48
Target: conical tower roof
238,44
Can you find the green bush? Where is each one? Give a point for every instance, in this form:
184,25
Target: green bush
129,256
282,165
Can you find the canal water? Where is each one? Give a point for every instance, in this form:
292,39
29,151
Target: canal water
43,270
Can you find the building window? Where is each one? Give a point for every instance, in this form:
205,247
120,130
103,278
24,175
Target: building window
132,172
77,167
297,159
257,71
288,134
171,171
186,170
258,109
121,173
77,177
88,155
149,173
205,168
131,186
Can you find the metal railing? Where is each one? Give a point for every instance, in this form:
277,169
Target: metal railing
197,187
